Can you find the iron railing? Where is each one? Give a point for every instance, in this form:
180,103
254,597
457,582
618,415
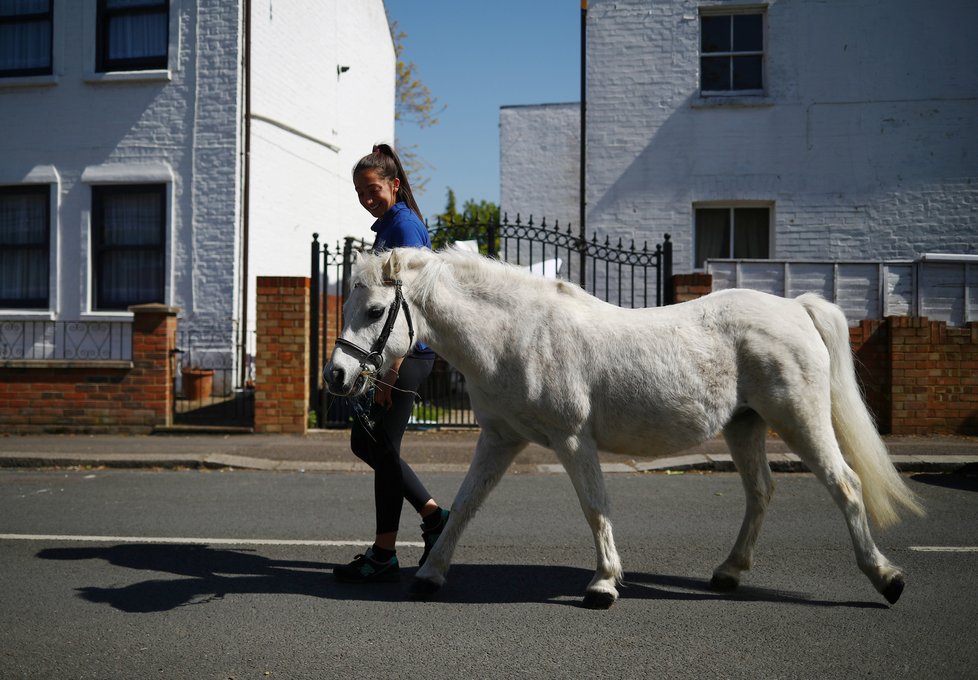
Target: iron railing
625,276
30,340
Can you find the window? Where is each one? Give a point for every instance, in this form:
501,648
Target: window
732,233
24,246
132,35
25,37
128,238
732,53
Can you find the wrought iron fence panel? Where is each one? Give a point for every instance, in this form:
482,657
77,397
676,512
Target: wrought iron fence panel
625,276
66,340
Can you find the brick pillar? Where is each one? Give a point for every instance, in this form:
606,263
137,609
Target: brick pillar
282,354
154,337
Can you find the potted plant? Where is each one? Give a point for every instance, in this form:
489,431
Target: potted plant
197,383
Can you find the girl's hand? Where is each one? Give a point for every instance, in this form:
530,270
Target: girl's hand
383,388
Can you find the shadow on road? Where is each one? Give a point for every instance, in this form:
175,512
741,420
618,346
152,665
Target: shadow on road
210,574
964,479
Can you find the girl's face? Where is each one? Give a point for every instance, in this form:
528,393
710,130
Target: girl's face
376,194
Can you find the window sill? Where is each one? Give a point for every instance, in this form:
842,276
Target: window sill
152,76
17,82
731,102
106,316
66,363
26,315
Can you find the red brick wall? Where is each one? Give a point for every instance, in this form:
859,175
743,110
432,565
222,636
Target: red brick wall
934,377
282,354
94,397
686,287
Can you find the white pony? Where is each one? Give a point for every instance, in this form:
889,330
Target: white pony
545,362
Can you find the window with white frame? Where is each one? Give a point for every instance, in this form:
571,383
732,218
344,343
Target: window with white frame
26,30
25,238
128,245
732,52
732,232
132,35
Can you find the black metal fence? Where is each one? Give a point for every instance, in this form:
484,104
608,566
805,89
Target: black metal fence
625,276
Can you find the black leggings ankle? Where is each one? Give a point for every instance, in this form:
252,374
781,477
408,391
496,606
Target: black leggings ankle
380,448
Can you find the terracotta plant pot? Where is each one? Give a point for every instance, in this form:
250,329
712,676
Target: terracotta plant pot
197,383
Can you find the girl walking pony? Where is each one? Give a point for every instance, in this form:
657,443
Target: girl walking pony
576,374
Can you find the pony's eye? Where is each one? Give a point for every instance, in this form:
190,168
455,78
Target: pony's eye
375,312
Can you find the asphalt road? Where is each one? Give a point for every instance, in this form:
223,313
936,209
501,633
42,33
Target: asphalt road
139,600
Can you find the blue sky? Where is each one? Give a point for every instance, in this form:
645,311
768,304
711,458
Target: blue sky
476,57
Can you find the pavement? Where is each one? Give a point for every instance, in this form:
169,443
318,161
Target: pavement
442,450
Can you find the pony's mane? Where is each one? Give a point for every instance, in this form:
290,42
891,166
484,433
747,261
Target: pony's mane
460,269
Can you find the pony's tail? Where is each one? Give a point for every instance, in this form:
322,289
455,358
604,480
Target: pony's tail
884,491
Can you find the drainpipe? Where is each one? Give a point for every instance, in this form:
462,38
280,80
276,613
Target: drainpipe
582,226
246,192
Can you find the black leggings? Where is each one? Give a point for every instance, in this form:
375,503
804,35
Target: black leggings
380,448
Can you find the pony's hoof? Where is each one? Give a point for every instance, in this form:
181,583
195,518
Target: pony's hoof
894,589
723,583
599,600
423,589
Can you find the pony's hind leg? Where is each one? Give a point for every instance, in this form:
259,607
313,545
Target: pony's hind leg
580,459
819,450
745,435
494,452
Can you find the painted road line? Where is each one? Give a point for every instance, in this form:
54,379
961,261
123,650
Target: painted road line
172,540
945,548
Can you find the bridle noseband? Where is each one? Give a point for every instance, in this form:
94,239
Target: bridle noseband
375,355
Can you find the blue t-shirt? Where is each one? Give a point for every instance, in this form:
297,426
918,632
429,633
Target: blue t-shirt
400,227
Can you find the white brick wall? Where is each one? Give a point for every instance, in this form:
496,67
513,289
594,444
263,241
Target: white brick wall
864,143
539,150
184,127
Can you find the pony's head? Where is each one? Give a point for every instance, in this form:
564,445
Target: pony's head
377,330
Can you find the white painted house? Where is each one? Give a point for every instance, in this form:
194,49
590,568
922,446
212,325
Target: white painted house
781,129
173,150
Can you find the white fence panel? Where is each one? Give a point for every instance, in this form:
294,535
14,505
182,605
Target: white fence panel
939,287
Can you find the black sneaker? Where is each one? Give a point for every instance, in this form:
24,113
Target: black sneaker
430,536
365,569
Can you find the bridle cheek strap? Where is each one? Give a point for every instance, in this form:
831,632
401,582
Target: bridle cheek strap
375,355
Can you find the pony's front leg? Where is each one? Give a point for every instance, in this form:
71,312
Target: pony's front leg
580,459
494,453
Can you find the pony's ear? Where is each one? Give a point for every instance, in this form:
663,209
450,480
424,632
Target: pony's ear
391,267
357,257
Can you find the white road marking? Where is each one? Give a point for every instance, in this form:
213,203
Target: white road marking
170,540
945,548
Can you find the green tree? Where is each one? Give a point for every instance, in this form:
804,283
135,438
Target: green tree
413,104
468,225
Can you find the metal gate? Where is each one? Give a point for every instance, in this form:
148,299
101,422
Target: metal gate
209,386
625,276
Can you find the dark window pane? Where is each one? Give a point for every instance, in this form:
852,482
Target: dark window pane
715,34
715,73
24,251
15,7
748,33
129,224
112,4
136,37
747,73
131,278
712,234
132,219
751,227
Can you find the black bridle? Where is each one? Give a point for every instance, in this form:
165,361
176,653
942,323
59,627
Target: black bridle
375,355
